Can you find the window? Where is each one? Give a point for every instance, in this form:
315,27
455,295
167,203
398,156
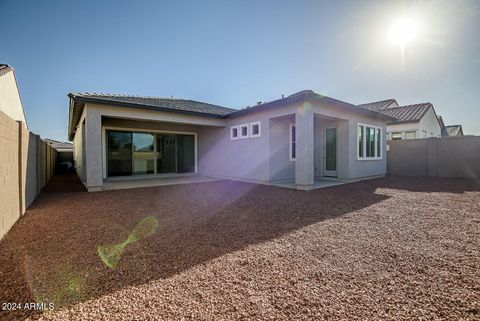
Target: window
410,135
244,131
293,142
360,141
255,129
396,136
234,132
424,133
369,142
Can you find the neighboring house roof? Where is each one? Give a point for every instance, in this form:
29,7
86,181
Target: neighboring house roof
378,105
4,69
408,114
78,100
59,146
454,130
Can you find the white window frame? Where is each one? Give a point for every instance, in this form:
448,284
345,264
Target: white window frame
290,147
364,145
409,132
256,123
391,135
240,131
231,132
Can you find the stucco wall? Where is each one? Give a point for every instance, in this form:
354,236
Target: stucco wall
281,167
10,102
241,158
261,158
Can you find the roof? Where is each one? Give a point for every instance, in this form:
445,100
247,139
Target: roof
443,129
63,146
408,114
378,105
176,104
313,96
4,69
454,130
78,100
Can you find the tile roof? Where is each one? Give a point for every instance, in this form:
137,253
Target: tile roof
378,105
4,69
157,102
410,113
77,101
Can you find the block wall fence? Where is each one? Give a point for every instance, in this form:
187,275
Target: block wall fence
26,165
456,157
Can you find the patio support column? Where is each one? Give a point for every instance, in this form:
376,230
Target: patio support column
304,169
93,149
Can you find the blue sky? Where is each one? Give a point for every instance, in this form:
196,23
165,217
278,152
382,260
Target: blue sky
235,53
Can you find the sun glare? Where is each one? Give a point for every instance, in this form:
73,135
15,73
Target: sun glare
403,31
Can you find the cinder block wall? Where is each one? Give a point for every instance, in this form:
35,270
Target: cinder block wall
26,165
9,173
457,157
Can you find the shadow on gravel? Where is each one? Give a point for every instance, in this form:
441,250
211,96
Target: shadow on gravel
50,255
430,184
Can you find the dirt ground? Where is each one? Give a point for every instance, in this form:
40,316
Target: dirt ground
386,249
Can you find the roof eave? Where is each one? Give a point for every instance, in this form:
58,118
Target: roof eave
74,100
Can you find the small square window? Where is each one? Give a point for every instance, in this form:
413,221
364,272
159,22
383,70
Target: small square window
234,132
244,131
255,129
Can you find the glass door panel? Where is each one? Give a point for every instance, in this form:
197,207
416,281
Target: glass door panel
331,152
166,153
143,154
185,153
119,153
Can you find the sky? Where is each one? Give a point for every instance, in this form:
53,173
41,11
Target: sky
235,53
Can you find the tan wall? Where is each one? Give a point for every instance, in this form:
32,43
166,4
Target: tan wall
26,164
436,157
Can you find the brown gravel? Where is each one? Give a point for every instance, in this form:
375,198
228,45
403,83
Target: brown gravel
390,249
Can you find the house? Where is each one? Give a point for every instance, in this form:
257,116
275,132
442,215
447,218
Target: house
451,130
411,121
299,139
10,101
64,159
454,130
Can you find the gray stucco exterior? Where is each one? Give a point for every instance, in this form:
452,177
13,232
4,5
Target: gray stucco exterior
263,159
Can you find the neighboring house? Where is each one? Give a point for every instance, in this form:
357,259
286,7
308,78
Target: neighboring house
60,146
411,122
64,159
454,130
300,138
10,101
451,130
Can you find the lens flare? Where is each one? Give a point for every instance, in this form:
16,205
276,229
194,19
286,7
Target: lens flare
111,254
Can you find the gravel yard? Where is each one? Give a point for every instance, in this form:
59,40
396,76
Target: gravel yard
386,249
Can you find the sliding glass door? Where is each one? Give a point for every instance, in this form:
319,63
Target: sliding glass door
139,153
143,154
119,153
